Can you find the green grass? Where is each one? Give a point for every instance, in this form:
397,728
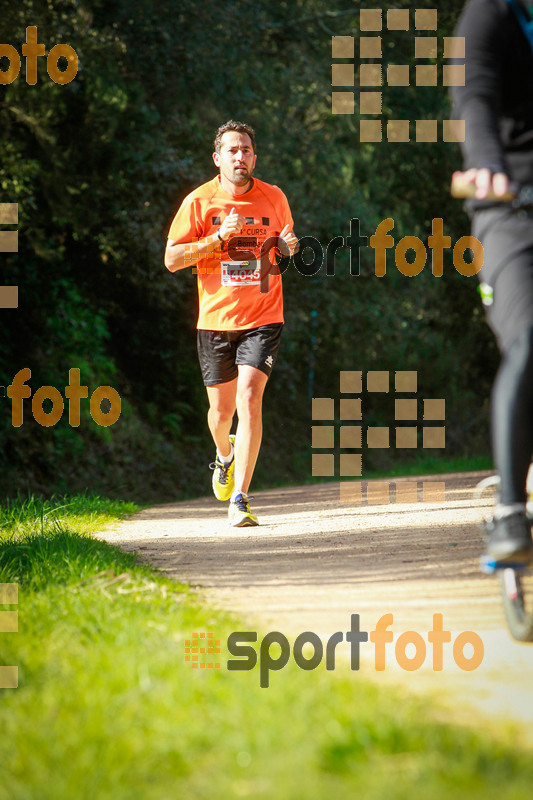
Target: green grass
107,708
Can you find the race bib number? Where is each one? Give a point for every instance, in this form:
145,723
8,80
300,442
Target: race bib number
240,273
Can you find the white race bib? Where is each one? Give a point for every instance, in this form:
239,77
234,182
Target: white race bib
240,273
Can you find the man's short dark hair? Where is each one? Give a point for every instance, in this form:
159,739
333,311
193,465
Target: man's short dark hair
238,127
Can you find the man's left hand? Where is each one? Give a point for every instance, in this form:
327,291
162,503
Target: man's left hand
290,240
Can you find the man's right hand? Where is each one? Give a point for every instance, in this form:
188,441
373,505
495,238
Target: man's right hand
232,224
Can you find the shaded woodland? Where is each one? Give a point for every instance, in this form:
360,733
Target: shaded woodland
100,165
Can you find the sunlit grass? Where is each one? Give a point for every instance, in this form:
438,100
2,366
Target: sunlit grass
107,707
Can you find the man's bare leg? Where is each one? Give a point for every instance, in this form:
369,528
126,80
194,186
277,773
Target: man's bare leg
222,405
250,387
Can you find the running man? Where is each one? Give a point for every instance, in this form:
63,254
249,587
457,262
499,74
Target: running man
497,104
231,228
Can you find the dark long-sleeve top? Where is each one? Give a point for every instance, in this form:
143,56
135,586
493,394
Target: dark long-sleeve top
497,99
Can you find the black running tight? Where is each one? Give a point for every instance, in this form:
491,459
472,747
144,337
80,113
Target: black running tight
512,418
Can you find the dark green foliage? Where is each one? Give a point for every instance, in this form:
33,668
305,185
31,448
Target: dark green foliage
99,167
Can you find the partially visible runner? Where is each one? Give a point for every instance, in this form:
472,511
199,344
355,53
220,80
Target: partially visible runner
497,104
240,313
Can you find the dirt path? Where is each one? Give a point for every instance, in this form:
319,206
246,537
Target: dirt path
313,562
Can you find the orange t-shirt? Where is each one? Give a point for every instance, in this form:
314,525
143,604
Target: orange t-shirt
225,304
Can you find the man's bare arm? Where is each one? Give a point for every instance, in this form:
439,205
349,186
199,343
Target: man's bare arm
181,255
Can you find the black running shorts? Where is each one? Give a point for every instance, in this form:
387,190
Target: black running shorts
220,352
507,272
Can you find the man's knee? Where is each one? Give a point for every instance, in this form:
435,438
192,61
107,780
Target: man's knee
221,413
250,398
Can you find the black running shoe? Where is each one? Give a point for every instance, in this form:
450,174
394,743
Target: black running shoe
509,539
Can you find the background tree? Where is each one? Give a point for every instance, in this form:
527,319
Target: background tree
98,168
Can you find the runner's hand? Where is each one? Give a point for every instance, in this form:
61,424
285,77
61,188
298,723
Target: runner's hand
290,240
231,225
485,182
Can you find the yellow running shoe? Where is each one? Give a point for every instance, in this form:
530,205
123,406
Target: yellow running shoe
239,513
223,476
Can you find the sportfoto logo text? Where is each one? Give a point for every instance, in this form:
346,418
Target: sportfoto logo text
410,649
310,257
74,392
32,50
